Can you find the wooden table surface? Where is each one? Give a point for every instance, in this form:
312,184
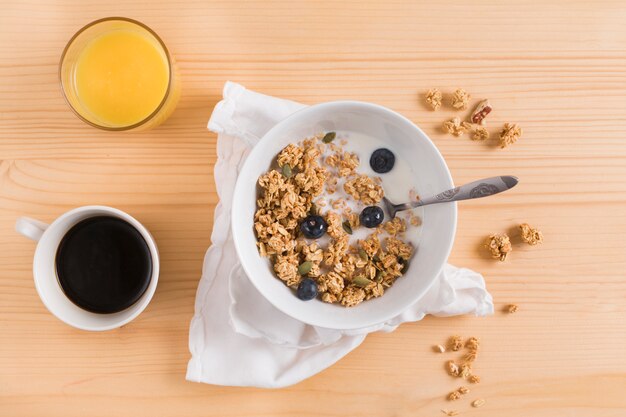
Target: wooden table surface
556,68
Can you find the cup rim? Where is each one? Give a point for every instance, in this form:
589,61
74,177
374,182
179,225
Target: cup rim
139,306
170,80
238,227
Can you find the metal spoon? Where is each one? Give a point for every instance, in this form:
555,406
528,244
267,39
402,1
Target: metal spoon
476,189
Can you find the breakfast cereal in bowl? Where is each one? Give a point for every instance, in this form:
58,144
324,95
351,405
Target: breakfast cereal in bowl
309,224
320,222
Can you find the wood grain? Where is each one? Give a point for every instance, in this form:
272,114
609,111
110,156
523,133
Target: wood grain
556,67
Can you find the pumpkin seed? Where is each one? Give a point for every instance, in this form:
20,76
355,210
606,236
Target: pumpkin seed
287,171
346,226
329,137
379,276
405,266
314,210
305,267
361,281
363,254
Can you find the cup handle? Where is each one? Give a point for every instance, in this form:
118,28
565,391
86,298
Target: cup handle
31,228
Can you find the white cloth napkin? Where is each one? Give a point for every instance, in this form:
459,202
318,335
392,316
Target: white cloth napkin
237,337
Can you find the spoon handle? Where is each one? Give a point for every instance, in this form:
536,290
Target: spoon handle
476,189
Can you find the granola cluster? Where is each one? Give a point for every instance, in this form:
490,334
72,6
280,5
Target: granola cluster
509,134
500,245
460,99
346,272
434,98
530,235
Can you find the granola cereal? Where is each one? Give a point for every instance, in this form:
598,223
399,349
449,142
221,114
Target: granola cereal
450,413
415,220
455,343
474,379
454,395
480,133
530,235
452,368
512,308
352,263
509,134
434,98
364,189
472,344
454,127
465,370
499,245
460,99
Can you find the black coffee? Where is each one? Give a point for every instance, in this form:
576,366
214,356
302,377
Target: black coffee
103,264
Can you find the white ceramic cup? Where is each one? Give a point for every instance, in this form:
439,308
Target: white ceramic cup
44,269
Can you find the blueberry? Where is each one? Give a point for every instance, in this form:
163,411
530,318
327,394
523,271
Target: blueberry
307,290
313,227
372,216
382,160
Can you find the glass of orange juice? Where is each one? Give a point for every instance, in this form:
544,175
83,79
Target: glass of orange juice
117,74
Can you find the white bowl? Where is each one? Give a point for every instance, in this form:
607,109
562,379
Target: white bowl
439,221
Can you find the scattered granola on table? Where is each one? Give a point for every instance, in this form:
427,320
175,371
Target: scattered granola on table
450,412
452,368
512,308
530,235
455,343
480,133
454,127
509,134
478,403
460,99
454,395
434,98
474,379
500,246
308,237
472,344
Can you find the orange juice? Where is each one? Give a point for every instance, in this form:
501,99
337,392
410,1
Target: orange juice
121,77
116,74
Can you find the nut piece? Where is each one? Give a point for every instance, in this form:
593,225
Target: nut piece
460,99
480,134
454,395
455,343
478,403
439,348
499,245
434,98
452,368
450,412
454,127
509,134
470,356
474,379
531,235
480,112
465,370
512,308
472,344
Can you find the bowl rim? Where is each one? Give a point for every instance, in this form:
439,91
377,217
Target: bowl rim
241,183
